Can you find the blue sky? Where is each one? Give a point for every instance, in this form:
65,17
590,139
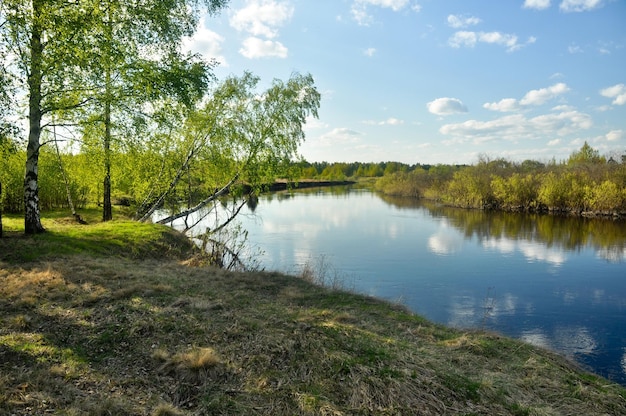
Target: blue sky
438,81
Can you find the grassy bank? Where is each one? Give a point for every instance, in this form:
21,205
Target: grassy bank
114,319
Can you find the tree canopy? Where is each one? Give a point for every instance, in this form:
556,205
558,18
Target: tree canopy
58,57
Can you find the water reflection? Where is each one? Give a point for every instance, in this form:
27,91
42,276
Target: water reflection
445,241
533,251
542,232
571,341
553,281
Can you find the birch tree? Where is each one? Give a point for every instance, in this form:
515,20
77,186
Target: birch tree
39,43
136,64
50,48
248,138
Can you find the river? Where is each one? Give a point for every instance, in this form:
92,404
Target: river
552,281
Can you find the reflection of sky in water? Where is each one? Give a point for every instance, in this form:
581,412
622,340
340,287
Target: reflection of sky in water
569,300
445,241
613,254
568,340
533,251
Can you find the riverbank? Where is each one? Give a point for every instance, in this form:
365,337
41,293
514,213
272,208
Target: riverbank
122,318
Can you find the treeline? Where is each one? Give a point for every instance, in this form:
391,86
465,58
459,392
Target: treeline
355,170
586,183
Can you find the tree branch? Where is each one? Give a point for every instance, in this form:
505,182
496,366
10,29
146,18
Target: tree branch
199,206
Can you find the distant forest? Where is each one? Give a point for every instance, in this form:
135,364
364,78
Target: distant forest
584,184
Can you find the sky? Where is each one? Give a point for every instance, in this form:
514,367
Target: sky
438,81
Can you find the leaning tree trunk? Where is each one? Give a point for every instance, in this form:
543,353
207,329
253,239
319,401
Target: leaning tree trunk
32,216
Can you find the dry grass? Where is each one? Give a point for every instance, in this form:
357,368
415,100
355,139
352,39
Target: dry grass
91,335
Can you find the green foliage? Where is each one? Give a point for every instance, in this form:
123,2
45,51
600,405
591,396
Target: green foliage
12,179
605,196
586,155
585,183
408,184
517,190
469,188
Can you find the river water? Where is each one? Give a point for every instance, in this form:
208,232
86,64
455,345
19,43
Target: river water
555,282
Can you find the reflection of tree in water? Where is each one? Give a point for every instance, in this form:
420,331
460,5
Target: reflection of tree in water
338,190
606,236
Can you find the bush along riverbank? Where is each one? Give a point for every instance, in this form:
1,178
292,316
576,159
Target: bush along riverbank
123,318
586,185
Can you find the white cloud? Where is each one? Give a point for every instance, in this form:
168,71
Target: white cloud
391,121
615,135
504,105
574,49
394,5
618,92
463,38
517,127
262,17
469,39
360,13
533,97
536,4
446,106
206,43
540,96
498,38
459,21
313,123
340,135
361,16
369,52
258,48
579,5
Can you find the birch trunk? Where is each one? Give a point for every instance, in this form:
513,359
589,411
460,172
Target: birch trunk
32,216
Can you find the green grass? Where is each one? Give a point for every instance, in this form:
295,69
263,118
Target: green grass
113,319
64,236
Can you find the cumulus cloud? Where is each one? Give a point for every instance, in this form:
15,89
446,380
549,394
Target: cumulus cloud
445,106
253,48
536,4
340,135
517,127
463,38
361,15
532,97
618,92
579,5
540,96
262,17
469,39
615,135
459,21
504,105
206,43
